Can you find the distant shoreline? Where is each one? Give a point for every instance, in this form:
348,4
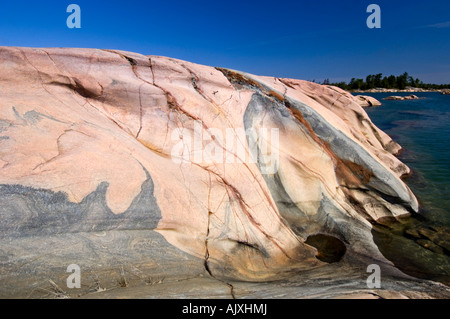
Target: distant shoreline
407,90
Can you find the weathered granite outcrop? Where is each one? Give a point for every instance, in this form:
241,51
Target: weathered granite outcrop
402,98
120,163
367,101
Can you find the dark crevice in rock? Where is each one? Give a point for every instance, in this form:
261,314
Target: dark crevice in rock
206,261
194,82
132,61
329,249
78,88
376,295
140,113
150,64
247,245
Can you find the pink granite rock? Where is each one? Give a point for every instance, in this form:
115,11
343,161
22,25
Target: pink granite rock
152,153
367,101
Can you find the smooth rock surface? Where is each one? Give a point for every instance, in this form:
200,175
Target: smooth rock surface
98,169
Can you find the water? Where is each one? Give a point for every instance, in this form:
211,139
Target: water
422,128
420,245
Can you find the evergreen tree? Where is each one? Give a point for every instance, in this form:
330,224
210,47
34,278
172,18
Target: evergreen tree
391,82
402,81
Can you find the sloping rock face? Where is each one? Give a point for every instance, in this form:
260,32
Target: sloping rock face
112,159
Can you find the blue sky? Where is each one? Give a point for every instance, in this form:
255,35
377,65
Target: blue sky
297,39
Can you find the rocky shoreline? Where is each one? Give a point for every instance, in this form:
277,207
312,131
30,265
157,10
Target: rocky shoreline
403,98
407,90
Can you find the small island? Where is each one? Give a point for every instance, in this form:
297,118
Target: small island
403,98
376,83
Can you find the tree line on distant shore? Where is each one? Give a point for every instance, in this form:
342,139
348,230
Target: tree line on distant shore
373,81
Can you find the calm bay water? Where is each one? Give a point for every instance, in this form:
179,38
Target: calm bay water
422,128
